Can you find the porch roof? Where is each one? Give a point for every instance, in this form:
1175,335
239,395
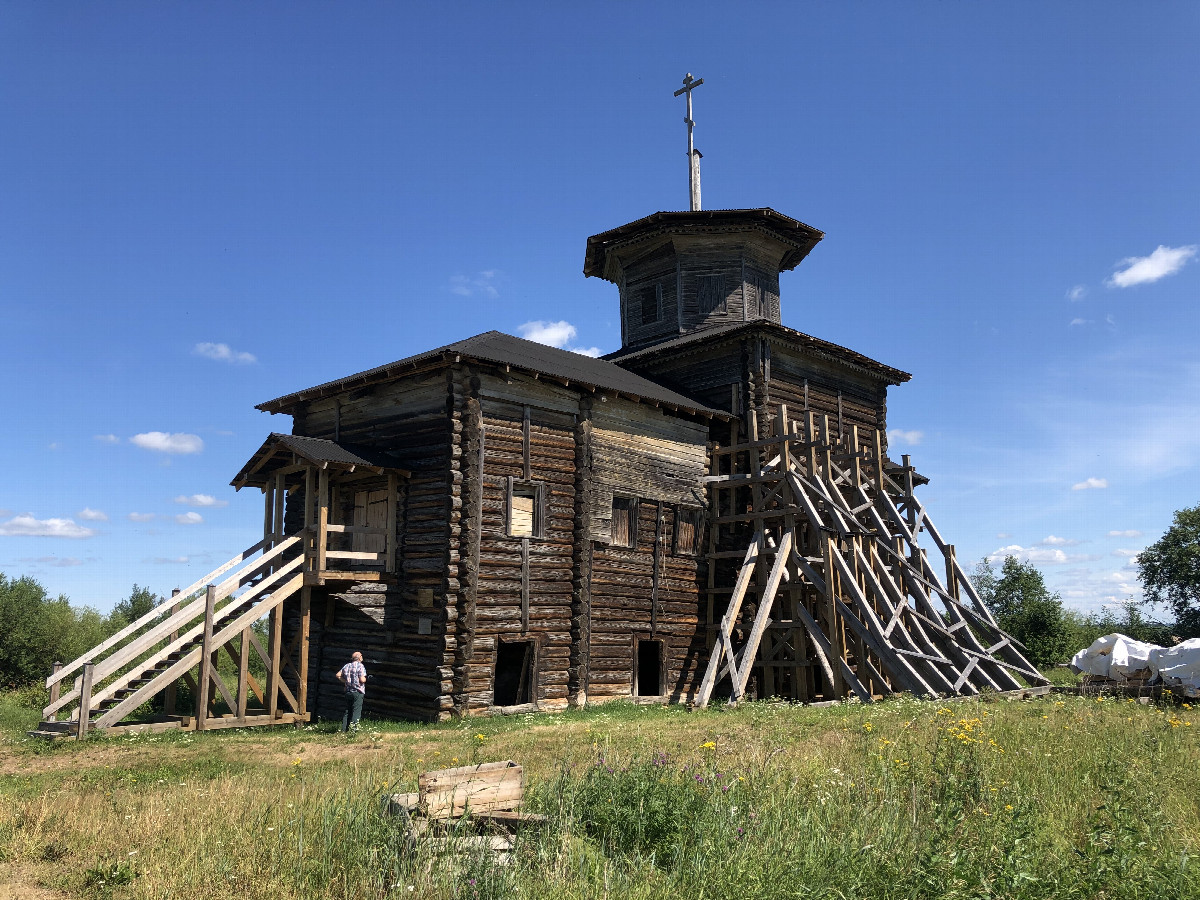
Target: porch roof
282,450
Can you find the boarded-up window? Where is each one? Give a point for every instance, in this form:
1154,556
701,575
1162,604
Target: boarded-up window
525,509
689,529
370,511
652,298
710,294
624,521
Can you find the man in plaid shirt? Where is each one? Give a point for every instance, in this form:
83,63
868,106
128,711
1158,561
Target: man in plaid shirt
353,675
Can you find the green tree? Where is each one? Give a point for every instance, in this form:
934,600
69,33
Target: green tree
1169,570
36,630
1023,606
139,602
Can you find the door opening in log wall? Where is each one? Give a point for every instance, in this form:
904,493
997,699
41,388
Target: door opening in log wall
516,672
648,668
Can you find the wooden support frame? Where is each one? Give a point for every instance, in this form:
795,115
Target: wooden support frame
853,597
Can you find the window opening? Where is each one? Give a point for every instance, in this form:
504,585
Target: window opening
652,304
689,528
710,294
525,514
513,682
648,678
624,522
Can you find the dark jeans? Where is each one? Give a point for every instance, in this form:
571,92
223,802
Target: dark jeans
354,701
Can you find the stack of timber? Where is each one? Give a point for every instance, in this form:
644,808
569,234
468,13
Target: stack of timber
484,800
822,586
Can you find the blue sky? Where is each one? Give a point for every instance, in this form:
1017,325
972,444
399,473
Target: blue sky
204,206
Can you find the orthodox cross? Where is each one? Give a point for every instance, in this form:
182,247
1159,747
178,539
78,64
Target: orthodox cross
689,85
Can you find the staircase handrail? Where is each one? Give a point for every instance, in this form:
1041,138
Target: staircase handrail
153,614
268,585
176,670
115,660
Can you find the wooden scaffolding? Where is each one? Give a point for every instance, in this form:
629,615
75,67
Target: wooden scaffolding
817,582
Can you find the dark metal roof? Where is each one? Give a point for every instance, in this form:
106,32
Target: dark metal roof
507,350
782,332
317,451
801,237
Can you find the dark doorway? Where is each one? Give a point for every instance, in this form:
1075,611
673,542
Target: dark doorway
513,683
649,669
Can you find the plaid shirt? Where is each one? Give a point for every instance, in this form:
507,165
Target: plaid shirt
352,674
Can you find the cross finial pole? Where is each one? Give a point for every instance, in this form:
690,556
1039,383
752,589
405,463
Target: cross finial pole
689,85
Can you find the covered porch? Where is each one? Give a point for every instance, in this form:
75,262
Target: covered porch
349,517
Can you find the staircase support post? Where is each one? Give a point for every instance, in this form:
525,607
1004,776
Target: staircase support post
302,669
206,659
85,701
170,694
275,641
55,690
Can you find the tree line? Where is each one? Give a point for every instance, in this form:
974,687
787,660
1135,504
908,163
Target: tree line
36,629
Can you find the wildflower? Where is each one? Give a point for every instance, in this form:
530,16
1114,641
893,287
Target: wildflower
709,745
455,759
1008,806
867,726
297,761
481,737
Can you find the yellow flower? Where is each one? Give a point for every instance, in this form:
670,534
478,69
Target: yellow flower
867,726
455,759
1008,806
709,745
481,737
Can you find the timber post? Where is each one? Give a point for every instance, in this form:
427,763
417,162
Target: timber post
55,689
171,693
85,701
204,683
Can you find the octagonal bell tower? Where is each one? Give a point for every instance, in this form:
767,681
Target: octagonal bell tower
681,272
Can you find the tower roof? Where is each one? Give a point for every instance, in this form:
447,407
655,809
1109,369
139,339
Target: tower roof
796,236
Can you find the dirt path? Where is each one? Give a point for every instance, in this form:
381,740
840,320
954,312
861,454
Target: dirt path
16,884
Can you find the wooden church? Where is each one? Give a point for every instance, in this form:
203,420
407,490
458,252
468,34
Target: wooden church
500,526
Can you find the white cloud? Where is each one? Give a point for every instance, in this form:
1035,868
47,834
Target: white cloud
168,560
224,353
58,562
201,500
1055,541
1129,553
92,515
481,284
1003,535
107,438
1077,293
27,526
1090,484
1128,533
1077,321
141,517
899,436
555,334
1162,262
163,442
189,518
1045,556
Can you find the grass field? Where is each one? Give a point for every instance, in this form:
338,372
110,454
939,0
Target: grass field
1055,797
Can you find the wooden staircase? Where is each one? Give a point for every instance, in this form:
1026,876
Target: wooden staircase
182,642
815,560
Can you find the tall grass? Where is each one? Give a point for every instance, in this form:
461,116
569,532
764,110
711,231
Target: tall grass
905,799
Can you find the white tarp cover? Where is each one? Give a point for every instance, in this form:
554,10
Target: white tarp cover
1117,656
